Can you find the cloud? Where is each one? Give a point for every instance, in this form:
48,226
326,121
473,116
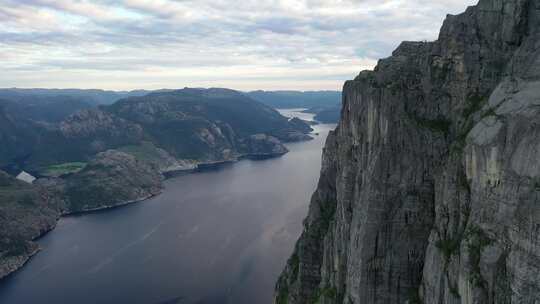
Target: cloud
250,44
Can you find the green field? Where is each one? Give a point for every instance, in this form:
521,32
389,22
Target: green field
62,169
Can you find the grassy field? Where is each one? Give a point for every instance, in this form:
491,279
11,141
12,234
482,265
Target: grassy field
62,169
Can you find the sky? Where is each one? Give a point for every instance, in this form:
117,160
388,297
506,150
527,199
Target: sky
239,44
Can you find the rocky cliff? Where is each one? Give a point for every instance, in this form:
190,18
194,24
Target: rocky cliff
429,189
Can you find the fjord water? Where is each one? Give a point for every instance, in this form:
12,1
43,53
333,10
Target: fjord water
219,236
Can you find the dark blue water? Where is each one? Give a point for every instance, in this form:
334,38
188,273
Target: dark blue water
215,237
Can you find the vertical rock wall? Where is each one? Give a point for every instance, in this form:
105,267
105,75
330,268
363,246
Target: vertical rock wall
429,191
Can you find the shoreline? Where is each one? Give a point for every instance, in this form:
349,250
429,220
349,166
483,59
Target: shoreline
24,259
199,168
109,207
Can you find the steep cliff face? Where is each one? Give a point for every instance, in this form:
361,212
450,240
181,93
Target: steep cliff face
429,190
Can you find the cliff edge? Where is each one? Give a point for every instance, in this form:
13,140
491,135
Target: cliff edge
429,189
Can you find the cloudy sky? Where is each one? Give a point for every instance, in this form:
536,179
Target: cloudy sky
248,44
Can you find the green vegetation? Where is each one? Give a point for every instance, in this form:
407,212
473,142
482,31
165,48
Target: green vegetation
63,169
477,241
474,104
283,295
294,263
449,247
327,212
324,293
440,124
414,297
329,292
294,266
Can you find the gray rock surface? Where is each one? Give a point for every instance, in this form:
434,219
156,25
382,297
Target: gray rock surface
429,189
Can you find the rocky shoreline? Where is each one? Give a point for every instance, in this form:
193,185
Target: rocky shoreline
13,264
10,265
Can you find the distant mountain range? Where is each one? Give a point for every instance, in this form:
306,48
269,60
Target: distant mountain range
56,104
326,105
275,99
297,99
195,124
92,96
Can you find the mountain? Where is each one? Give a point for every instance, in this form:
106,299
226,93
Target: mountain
205,125
16,135
297,99
54,105
193,125
429,185
330,114
92,97
44,109
34,145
